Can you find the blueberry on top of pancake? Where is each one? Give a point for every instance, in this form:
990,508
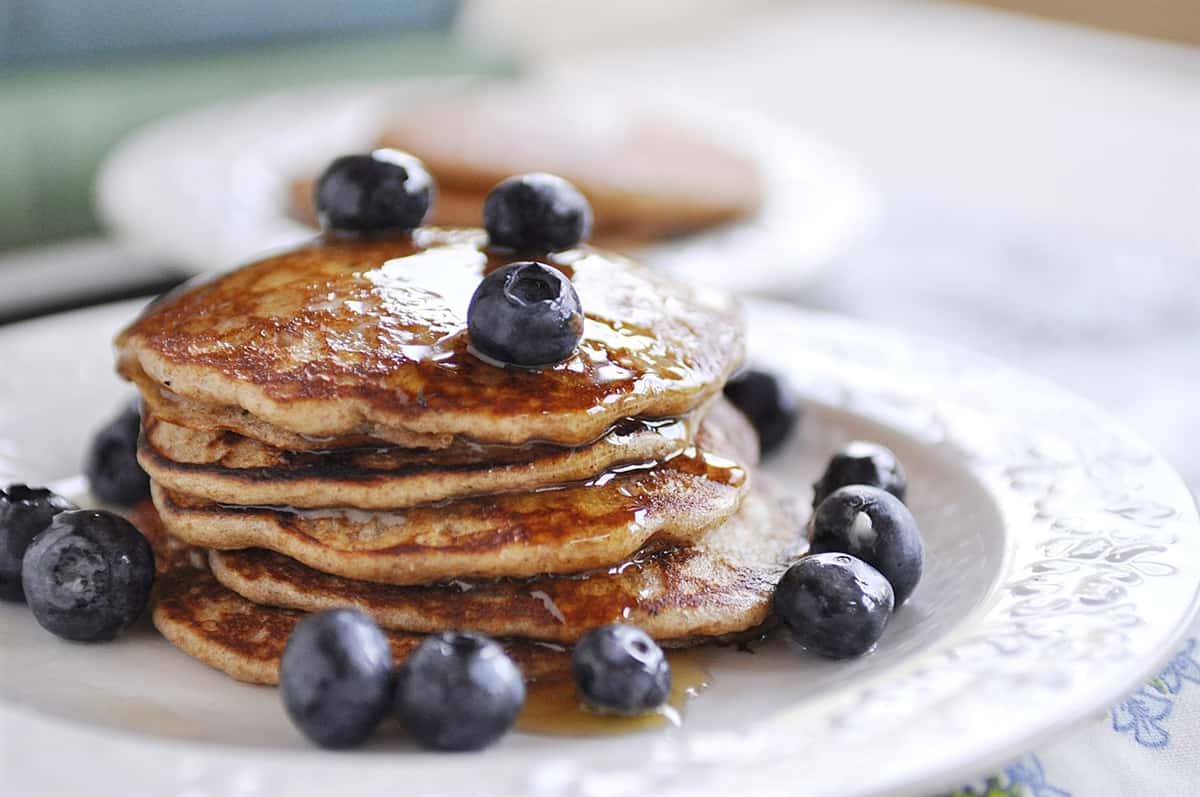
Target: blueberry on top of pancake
536,212
525,314
385,191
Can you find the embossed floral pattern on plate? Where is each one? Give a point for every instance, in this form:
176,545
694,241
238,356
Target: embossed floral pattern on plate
1072,588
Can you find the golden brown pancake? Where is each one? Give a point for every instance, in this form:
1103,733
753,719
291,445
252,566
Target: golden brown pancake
168,551
352,339
517,534
166,406
398,478
246,641
720,585
514,534
655,439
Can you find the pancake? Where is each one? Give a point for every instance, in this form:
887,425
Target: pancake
668,179
518,534
168,551
368,338
399,478
170,407
246,641
645,175
719,586
651,439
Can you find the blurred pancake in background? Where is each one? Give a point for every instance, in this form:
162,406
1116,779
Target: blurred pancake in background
686,185
646,176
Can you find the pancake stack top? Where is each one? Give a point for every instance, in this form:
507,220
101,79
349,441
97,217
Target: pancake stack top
319,433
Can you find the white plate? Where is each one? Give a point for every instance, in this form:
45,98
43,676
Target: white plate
209,188
1063,565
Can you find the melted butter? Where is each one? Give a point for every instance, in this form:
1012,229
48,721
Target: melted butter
552,708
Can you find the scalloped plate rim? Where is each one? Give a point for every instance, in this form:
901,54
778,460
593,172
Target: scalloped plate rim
951,772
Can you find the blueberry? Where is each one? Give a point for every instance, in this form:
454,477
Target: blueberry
620,669
112,469
381,192
336,677
834,604
525,314
876,527
88,576
458,691
861,463
769,405
25,512
536,212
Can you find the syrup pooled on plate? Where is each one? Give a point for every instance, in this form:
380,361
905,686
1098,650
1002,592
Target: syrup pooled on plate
552,708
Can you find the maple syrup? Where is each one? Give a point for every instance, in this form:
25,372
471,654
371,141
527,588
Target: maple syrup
552,709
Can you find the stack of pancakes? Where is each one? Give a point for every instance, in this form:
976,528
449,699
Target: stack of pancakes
318,433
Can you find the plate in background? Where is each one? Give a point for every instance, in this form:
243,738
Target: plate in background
209,188
1063,567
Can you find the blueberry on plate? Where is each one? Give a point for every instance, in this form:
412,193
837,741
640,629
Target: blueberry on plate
458,691
381,192
112,469
525,314
25,512
874,526
336,677
834,604
536,212
88,576
861,463
619,669
768,403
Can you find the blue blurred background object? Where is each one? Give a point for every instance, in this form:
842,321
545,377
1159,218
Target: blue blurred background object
77,76
54,30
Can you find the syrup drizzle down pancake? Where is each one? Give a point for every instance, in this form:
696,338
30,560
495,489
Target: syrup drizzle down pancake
400,478
228,450
517,534
721,584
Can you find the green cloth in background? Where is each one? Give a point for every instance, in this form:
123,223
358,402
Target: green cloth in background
57,123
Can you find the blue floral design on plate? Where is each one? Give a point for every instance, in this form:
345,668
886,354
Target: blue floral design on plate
1143,712
1025,778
